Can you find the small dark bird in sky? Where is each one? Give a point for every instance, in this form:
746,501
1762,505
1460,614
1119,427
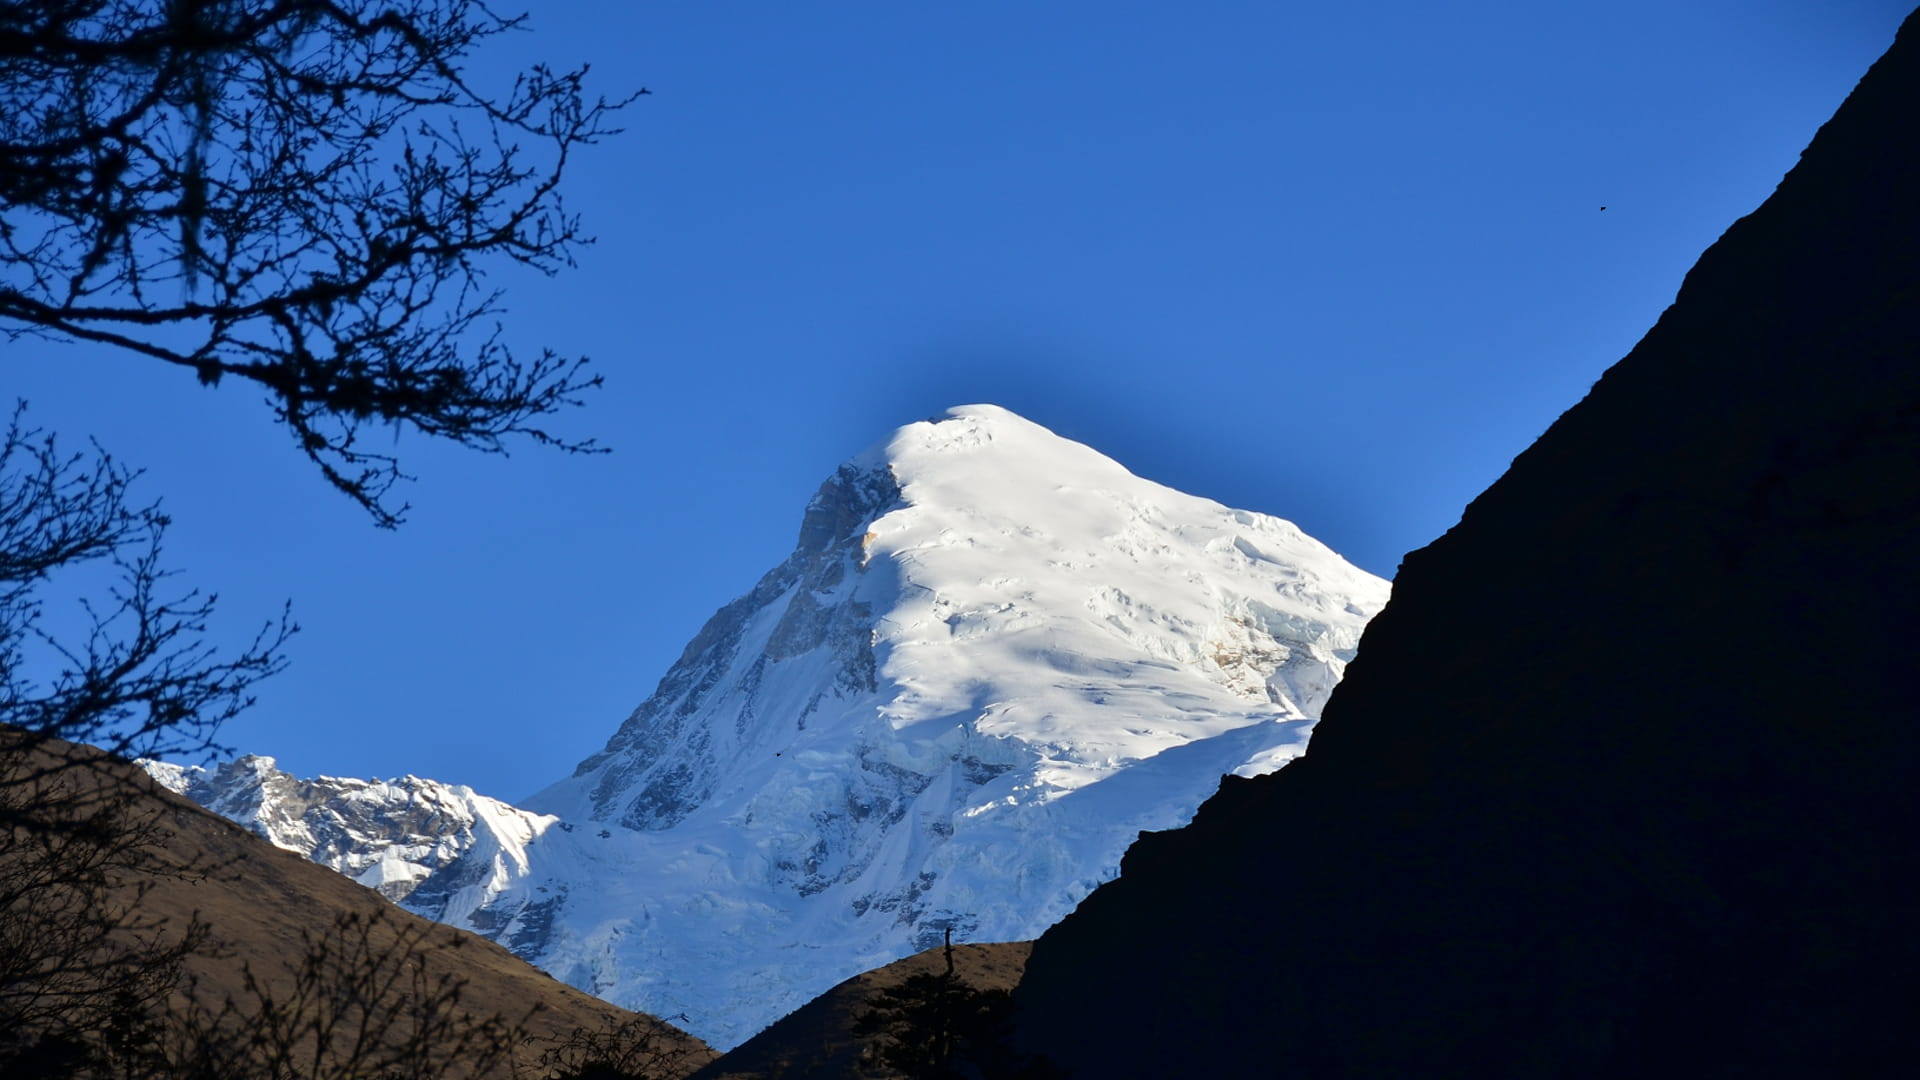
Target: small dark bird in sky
1603,208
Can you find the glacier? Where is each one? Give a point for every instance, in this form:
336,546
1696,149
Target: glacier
994,657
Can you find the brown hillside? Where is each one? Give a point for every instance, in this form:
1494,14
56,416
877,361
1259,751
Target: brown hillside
816,1041
264,905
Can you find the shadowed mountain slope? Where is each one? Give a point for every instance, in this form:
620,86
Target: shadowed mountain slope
816,1041
1521,843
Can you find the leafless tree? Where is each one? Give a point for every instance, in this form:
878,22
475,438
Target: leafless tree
938,1027
83,974
85,978
136,674
638,1048
91,989
301,194
365,997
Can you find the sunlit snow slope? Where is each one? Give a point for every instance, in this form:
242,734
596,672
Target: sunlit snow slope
993,659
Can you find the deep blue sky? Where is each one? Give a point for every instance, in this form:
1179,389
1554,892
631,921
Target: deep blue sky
1335,262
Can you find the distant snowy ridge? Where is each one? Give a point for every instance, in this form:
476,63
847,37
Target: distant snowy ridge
994,657
389,835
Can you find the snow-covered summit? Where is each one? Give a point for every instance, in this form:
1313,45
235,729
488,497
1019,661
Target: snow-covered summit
992,659
973,583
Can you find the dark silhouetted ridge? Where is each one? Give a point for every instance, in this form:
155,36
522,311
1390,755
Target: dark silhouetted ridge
1624,780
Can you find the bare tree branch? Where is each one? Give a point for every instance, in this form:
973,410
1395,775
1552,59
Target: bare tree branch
299,193
142,678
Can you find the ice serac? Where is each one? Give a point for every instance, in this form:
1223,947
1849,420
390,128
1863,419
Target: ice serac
1528,852
389,835
993,658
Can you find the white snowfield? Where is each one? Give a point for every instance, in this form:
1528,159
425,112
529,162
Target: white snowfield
994,658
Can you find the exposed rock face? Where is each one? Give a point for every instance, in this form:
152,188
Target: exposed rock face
389,835
1530,857
665,759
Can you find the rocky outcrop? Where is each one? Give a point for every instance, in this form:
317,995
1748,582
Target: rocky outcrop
389,835
665,759
1533,853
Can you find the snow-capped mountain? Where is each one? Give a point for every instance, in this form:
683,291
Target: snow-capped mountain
994,657
389,835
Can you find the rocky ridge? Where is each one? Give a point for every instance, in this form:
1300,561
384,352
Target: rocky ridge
389,835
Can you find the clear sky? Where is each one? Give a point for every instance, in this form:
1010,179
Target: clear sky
1334,262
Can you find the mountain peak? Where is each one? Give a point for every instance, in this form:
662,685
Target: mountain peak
956,554
992,659
970,455
985,442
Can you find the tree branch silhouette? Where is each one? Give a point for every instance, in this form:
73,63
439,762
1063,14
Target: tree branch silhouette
301,194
